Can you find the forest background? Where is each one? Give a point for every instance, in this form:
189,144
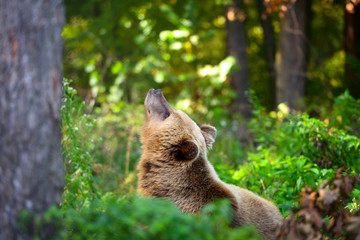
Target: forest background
278,79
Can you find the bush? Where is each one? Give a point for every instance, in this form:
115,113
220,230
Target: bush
136,218
78,147
293,152
346,114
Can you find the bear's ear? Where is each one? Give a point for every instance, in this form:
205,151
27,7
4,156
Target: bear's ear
209,133
188,150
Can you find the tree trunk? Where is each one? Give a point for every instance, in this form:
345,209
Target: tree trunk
352,48
31,166
236,47
270,48
294,48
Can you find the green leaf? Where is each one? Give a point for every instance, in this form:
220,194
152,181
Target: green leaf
116,68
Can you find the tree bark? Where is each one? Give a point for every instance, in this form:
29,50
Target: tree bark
236,47
270,48
352,48
31,166
294,49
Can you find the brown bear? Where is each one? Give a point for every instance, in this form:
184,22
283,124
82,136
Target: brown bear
174,166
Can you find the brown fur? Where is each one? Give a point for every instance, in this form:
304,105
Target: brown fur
174,165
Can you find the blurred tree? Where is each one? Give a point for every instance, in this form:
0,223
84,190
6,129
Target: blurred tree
236,47
352,46
326,64
294,47
270,48
31,166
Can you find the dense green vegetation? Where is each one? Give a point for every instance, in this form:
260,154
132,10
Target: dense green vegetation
116,50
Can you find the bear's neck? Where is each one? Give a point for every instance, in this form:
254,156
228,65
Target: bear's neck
189,186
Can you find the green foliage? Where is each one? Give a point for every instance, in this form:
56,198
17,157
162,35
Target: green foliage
136,218
116,51
354,205
295,151
77,149
115,56
346,114
98,151
119,127
114,217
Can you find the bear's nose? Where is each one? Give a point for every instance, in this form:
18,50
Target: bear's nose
157,91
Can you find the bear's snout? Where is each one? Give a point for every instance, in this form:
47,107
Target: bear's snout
156,105
157,91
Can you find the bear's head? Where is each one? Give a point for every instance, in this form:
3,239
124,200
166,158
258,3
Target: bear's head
171,135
